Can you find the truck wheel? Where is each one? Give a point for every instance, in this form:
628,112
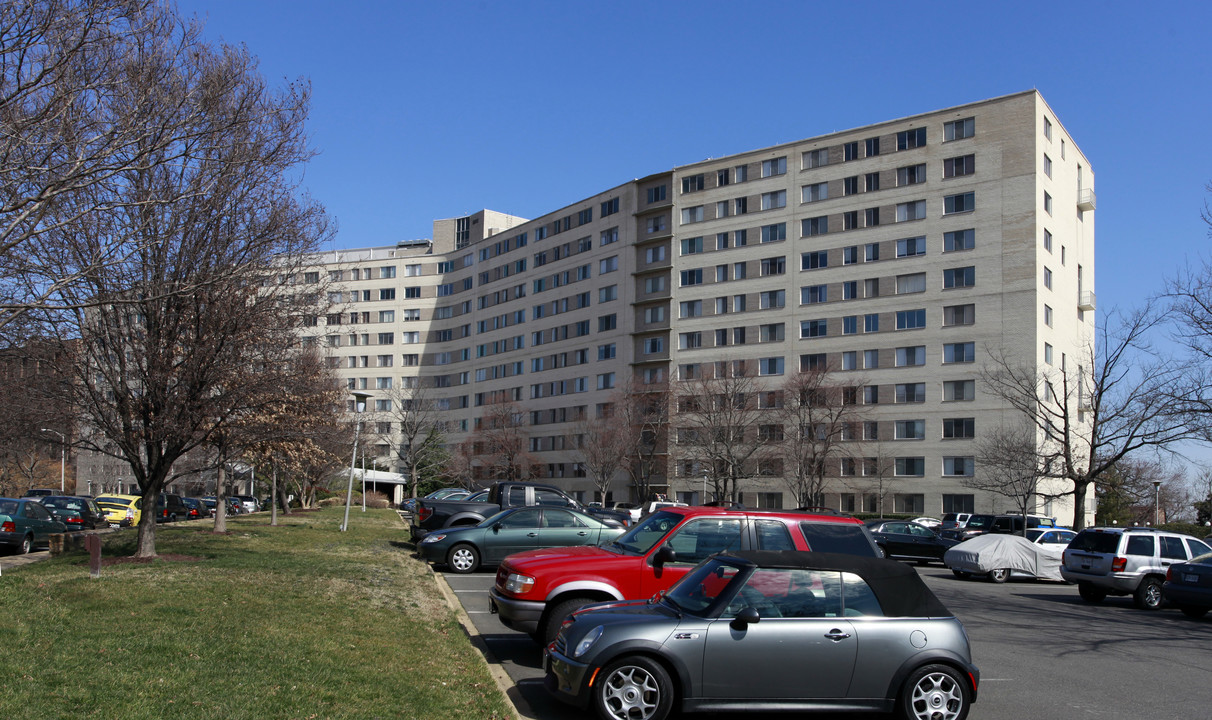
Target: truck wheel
1149,595
463,559
558,615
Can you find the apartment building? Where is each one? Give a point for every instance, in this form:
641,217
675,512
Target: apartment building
900,255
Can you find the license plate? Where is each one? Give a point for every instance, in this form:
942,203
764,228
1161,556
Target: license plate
1189,578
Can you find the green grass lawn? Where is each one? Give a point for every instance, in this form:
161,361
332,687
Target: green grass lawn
294,621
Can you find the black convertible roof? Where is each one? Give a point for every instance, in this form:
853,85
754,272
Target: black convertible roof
899,589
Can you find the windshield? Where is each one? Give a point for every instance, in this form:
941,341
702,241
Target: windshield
700,589
644,535
980,522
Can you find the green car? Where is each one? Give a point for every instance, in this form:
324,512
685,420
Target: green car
465,549
25,523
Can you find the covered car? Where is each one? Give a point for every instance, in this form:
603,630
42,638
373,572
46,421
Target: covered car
997,557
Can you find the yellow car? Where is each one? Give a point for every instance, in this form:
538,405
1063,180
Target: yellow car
121,510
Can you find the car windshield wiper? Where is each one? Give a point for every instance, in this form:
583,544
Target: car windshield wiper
671,602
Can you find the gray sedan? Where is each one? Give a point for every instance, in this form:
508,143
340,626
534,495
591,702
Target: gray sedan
763,630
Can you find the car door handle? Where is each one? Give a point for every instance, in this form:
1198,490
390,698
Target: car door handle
532,534
837,635
583,533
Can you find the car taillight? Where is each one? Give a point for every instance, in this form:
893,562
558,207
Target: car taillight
76,520
130,514
8,526
425,513
1170,573
1118,564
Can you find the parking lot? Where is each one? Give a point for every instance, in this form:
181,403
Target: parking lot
1042,651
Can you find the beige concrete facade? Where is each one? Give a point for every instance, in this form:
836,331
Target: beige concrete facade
952,224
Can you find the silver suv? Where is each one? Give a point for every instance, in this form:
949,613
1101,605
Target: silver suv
1126,561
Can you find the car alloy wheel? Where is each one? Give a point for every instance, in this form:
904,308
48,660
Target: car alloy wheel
935,692
999,576
1149,595
634,688
463,559
27,545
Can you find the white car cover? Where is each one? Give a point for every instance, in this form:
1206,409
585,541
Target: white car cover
996,551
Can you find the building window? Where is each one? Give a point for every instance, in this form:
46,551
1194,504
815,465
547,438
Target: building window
1047,165
656,194
908,247
1048,315
959,277
772,332
1048,353
850,185
910,319
909,430
1048,278
850,220
815,158
386,316
850,151
915,210
964,352
909,139
1047,203
607,322
605,381
773,266
774,233
911,175
850,360
850,255
871,252
692,215
959,240
871,182
692,246
850,325
959,390
654,284
387,294
958,466
959,428
814,294
959,129
871,146
739,271
871,323
909,467
959,166
694,183
740,205
959,315
814,260
772,299
814,226
654,345
911,392
911,356
770,366
774,200
815,193
963,202
656,224
814,328
776,166
871,217
850,290
1048,129
908,284
692,277
871,359
690,340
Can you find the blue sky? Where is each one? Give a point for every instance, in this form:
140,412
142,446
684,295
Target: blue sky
425,110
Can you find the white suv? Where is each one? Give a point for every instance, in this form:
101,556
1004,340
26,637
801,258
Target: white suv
1126,561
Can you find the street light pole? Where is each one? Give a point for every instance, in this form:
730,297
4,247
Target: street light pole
1156,500
359,406
62,458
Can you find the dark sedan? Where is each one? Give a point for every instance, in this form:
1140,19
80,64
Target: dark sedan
1189,585
465,549
196,508
77,513
903,540
26,524
762,631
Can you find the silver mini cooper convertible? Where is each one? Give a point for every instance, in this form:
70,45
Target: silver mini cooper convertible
764,630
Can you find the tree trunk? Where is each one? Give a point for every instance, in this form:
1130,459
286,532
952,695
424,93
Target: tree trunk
1079,503
273,498
145,545
221,498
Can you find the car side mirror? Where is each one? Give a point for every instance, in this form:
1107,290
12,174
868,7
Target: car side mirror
664,554
744,618
496,527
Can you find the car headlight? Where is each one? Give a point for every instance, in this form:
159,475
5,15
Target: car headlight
518,584
432,539
587,642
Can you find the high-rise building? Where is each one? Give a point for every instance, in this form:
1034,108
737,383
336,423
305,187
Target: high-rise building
900,256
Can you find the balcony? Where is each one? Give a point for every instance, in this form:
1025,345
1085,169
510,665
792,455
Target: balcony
1086,301
1086,200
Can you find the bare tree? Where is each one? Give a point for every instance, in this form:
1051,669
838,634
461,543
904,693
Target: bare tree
1010,467
187,330
817,416
1092,411
717,425
460,466
92,94
414,418
602,443
502,443
643,411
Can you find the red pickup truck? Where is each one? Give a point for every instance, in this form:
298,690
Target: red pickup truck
536,590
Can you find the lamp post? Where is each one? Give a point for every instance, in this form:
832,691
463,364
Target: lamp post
703,499
1156,500
62,458
359,405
